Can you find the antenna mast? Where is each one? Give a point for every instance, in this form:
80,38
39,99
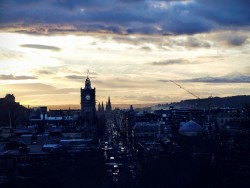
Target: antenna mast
185,89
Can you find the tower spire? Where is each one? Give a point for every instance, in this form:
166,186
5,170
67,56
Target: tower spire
102,107
99,107
87,82
87,73
108,105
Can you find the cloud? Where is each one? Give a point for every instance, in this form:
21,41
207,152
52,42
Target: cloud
40,47
76,77
50,70
44,72
224,79
92,73
124,16
146,48
38,89
231,78
7,54
234,14
234,40
238,41
11,77
120,83
170,62
189,42
163,80
194,43
81,77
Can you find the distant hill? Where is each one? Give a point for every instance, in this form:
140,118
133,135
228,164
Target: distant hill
230,102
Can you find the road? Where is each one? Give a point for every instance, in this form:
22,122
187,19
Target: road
121,161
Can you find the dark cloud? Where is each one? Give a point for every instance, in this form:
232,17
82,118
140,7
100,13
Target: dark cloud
195,43
170,62
224,79
11,77
76,77
44,72
188,42
124,16
235,40
232,78
238,41
163,80
224,12
41,47
146,48
163,43
82,77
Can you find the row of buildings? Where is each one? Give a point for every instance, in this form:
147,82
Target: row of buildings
47,135
44,136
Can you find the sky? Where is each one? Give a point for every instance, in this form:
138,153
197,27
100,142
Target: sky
132,49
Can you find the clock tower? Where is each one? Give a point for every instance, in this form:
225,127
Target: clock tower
88,111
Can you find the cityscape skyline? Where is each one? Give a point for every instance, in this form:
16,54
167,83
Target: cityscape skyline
124,93
132,49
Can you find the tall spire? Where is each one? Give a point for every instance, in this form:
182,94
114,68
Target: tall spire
102,107
131,108
99,107
108,106
69,111
87,83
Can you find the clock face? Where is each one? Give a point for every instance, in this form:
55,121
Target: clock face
87,97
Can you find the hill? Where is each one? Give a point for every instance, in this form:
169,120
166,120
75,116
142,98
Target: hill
214,102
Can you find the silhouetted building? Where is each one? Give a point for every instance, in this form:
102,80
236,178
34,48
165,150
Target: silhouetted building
190,128
10,98
88,110
11,112
146,131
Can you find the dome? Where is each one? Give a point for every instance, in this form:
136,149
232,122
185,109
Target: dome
190,128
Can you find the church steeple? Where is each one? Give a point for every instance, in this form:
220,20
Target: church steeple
99,107
108,106
131,108
102,108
